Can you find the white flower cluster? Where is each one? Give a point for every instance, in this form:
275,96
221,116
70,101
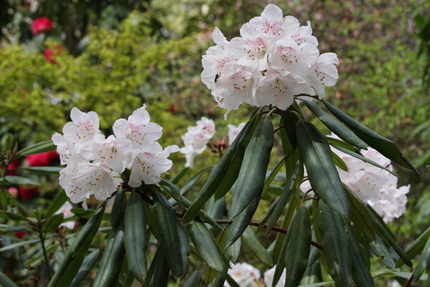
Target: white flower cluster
95,163
196,139
373,185
246,275
274,60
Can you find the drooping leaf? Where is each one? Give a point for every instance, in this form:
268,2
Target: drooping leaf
252,241
52,223
5,281
111,262
88,263
37,148
76,253
19,180
171,236
423,262
253,170
298,246
59,199
206,245
219,172
336,127
321,169
336,244
135,241
415,247
378,142
43,169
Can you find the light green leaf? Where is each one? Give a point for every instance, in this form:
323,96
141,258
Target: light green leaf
37,148
252,241
19,180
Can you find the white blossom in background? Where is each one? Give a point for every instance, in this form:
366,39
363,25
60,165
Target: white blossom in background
95,163
233,131
66,210
196,139
273,60
375,186
268,278
244,274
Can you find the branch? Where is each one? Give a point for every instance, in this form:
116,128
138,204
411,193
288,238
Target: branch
278,229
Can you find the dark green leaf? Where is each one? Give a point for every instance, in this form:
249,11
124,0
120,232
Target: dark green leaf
88,263
241,221
253,242
111,262
415,247
5,281
59,199
321,169
52,222
253,170
336,244
135,240
423,262
298,246
43,169
74,256
37,148
206,245
171,236
19,180
336,127
378,142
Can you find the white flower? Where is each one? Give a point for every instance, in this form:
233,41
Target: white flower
95,163
274,60
138,129
244,274
66,210
268,278
196,139
233,131
150,163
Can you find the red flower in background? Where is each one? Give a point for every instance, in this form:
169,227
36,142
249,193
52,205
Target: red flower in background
41,24
41,159
27,193
19,234
51,53
11,166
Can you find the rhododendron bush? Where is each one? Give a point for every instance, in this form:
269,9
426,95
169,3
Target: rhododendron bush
323,201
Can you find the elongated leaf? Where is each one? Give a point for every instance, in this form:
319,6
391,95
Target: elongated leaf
206,245
388,235
241,221
88,263
336,244
180,175
117,213
363,158
159,268
76,253
219,172
5,281
12,216
37,148
135,240
171,240
59,199
360,270
298,246
423,262
336,127
19,180
52,223
253,242
415,247
111,262
378,142
281,202
322,172
43,169
253,170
